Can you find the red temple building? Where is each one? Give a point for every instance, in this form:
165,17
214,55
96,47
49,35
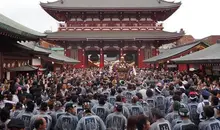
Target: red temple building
92,31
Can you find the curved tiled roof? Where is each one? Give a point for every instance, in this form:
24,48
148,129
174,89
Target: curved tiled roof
109,4
207,55
173,52
15,28
112,35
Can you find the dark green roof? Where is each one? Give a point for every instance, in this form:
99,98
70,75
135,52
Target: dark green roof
173,52
111,35
207,55
17,29
110,4
52,54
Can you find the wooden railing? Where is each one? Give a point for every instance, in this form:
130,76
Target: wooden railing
110,28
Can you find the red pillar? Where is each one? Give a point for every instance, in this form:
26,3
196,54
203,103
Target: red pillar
68,52
83,58
101,59
141,58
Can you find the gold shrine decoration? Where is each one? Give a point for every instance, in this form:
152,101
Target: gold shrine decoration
13,64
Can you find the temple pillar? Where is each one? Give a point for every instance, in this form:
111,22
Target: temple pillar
101,58
83,58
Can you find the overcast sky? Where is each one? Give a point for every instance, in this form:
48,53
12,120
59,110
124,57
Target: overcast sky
199,18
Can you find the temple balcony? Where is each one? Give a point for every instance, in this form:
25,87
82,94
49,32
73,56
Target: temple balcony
110,27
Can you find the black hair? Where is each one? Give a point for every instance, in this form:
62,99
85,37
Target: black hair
30,106
176,98
118,98
44,106
4,114
38,123
102,101
209,111
141,122
112,92
80,101
68,98
180,83
18,106
74,98
139,95
215,101
214,92
119,90
8,106
149,93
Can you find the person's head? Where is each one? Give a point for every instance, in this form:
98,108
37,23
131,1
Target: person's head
30,106
8,106
43,107
57,105
215,101
176,98
16,124
143,123
139,95
18,106
40,124
131,124
205,94
101,101
183,112
4,114
70,108
86,104
74,98
119,90
112,92
193,96
208,111
134,99
119,107
118,98
157,114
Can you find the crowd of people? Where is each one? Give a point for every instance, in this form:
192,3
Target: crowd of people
95,99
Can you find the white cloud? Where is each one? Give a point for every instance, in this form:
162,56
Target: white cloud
197,17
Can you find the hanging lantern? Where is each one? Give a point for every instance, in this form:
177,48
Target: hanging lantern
94,57
4,65
9,65
13,64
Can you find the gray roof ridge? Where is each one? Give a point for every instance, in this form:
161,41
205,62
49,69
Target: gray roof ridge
13,24
189,43
172,2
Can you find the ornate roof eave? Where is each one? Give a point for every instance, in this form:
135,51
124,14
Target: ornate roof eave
169,58
111,39
16,30
110,9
